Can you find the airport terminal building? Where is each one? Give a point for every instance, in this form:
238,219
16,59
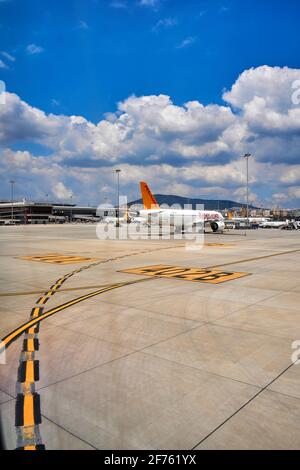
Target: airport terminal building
25,212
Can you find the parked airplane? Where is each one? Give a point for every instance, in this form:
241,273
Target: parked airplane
180,219
85,218
275,224
252,220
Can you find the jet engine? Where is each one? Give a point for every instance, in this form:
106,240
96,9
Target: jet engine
217,226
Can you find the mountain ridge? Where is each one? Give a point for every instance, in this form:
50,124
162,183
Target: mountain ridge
209,204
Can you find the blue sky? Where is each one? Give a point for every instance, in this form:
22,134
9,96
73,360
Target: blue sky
96,54
82,57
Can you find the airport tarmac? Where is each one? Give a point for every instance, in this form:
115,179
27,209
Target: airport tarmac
144,361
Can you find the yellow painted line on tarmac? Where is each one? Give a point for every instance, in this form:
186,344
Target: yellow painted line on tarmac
36,312
7,340
43,300
29,371
30,345
254,259
58,258
225,245
31,331
28,410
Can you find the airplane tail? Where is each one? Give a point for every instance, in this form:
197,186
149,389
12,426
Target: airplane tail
149,200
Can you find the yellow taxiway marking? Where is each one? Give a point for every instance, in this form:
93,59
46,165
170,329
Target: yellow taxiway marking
57,258
31,331
210,276
28,410
7,340
256,258
218,244
30,345
29,371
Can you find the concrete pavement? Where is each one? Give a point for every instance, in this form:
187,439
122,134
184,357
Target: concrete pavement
162,364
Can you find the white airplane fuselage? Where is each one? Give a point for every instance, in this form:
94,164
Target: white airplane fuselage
183,218
254,220
275,224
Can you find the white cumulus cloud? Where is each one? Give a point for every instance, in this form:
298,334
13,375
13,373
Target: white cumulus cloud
60,191
197,146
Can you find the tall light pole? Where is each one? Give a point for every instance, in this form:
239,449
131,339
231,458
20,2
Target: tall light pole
118,171
12,182
71,212
247,156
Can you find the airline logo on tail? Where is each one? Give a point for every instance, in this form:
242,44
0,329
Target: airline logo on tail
149,200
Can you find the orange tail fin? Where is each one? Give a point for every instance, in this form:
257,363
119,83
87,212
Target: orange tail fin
149,200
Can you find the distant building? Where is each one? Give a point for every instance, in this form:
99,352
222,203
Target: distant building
73,212
26,212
